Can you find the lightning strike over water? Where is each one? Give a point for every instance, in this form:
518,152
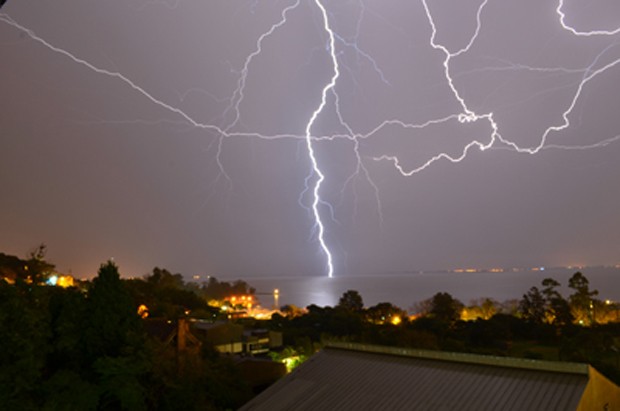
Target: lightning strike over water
321,177
463,110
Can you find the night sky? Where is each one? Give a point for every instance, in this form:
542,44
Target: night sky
173,134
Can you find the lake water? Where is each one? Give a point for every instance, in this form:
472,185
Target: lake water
405,289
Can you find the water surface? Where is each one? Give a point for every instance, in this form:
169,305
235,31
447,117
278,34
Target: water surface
405,289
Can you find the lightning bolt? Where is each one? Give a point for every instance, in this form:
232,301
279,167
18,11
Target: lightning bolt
576,32
311,154
235,103
315,180
114,74
468,116
238,94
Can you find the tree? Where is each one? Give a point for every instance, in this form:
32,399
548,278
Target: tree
445,308
549,291
68,384
114,342
488,308
422,308
557,309
385,313
163,278
34,270
484,308
219,290
561,315
351,301
532,306
166,295
12,268
292,311
581,301
38,270
113,315
68,317
24,331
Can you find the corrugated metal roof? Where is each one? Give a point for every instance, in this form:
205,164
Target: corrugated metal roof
569,367
351,379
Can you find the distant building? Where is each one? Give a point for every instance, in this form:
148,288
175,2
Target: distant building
261,341
231,338
347,376
181,339
226,337
175,334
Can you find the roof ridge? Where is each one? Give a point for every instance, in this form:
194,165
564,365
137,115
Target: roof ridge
508,362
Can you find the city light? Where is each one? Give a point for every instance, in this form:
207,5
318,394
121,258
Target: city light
143,311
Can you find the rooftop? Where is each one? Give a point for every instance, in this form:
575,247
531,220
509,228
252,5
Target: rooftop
346,376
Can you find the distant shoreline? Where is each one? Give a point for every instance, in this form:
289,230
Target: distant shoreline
405,289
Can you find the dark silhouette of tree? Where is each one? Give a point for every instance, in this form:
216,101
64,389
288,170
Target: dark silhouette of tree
581,301
533,306
163,278
219,290
445,308
483,308
114,342
24,333
489,336
291,311
113,314
549,291
422,308
12,268
488,308
37,269
384,313
69,382
67,311
351,301
212,382
167,295
558,310
34,270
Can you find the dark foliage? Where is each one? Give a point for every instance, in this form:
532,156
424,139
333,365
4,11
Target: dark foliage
351,301
219,290
167,295
65,349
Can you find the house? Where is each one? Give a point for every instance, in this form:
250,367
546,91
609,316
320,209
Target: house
347,376
226,337
173,333
232,338
261,341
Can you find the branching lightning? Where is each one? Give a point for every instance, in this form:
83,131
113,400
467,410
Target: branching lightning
238,94
577,32
114,74
311,154
317,176
470,116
